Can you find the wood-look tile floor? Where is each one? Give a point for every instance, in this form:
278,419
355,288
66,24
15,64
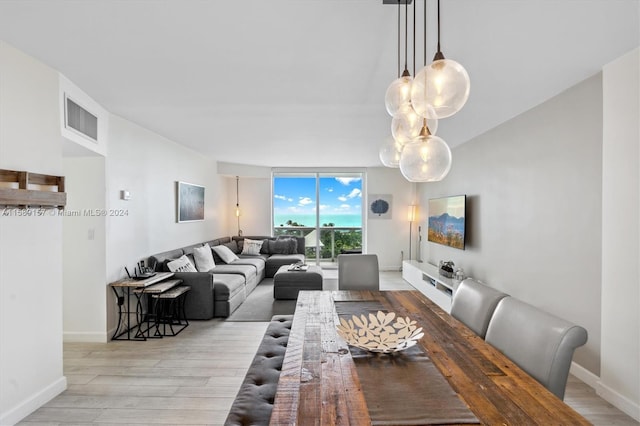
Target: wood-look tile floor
192,378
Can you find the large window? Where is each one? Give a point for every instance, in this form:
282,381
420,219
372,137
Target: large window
325,208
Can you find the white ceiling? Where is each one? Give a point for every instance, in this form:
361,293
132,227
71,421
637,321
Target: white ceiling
302,82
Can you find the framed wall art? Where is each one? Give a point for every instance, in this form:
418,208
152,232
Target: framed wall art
190,202
380,206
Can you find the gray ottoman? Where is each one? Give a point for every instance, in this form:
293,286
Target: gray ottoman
287,284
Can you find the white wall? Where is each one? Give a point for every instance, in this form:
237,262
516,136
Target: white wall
389,238
149,166
533,189
84,250
620,372
30,247
255,206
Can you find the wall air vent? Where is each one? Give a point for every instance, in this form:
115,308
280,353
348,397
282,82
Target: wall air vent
80,120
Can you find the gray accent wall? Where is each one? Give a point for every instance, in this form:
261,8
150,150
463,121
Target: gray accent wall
534,209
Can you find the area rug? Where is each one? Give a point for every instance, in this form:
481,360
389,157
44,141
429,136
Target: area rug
260,305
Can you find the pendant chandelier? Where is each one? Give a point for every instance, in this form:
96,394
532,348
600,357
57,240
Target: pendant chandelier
398,94
438,91
446,82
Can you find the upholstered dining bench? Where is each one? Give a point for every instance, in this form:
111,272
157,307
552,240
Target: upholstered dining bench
254,401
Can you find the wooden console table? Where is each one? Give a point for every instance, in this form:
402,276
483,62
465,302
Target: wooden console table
319,382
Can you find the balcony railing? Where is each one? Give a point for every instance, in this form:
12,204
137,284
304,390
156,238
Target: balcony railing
334,240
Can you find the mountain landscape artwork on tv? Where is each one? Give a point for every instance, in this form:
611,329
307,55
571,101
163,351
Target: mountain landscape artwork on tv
447,221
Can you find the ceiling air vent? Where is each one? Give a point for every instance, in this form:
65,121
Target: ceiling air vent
80,120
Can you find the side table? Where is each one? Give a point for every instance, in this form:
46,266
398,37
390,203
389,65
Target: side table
123,290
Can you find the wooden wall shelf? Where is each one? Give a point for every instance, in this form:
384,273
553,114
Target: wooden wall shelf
24,197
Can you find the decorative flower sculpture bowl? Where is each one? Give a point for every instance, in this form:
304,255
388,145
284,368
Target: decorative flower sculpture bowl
382,332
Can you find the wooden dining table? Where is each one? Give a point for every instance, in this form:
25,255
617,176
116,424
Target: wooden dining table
451,376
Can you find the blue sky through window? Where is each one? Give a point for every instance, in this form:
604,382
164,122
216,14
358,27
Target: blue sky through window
294,198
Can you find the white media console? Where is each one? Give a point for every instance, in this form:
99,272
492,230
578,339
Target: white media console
426,278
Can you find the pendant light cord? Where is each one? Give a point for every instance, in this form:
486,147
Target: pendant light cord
438,25
406,33
399,60
438,54
425,127
424,51
414,38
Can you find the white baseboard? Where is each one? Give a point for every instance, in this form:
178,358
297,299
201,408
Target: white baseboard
621,402
31,404
84,337
584,375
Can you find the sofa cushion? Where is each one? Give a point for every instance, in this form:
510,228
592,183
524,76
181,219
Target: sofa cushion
226,286
204,258
159,261
225,253
283,246
247,271
275,261
182,264
256,261
265,246
251,247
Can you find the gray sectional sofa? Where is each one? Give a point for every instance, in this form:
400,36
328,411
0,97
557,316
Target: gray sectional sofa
221,290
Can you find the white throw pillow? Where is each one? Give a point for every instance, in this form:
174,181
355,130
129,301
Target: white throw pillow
251,247
183,264
204,258
225,254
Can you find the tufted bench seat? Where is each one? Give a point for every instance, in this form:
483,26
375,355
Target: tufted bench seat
254,401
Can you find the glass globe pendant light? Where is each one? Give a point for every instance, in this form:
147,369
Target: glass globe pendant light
407,124
390,153
446,81
425,159
398,94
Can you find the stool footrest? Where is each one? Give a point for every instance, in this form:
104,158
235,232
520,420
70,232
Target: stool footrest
160,287
173,293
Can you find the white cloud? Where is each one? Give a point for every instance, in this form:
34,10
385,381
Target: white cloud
282,197
355,193
323,206
347,180
345,207
305,201
329,189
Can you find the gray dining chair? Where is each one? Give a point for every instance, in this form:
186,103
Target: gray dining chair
538,342
358,272
474,303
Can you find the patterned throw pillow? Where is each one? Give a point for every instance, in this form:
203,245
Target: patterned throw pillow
251,247
183,264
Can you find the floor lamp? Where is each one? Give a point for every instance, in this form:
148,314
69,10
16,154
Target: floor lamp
412,217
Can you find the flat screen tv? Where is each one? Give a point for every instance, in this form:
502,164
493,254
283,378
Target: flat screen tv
447,221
